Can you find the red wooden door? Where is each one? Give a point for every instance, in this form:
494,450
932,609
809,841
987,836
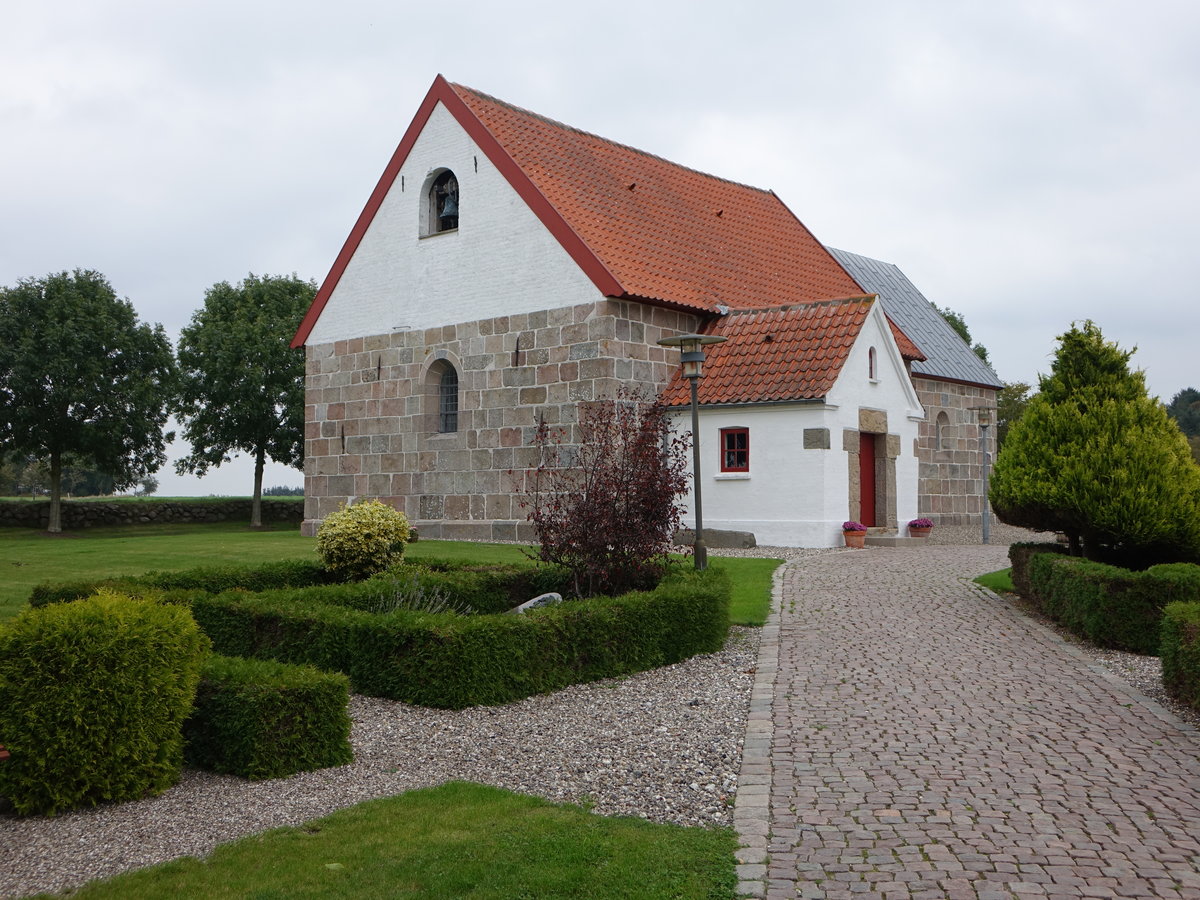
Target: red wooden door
866,478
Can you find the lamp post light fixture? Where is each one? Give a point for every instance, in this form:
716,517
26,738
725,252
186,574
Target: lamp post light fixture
983,415
691,358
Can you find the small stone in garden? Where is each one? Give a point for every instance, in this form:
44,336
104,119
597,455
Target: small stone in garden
550,599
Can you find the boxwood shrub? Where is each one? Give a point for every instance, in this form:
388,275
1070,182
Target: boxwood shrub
1110,606
262,719
1021,556
93,696
453,661
1181,652
208,579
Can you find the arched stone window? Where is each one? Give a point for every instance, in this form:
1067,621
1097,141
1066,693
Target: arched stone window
447,399
872,365
441,206
942,433
441,390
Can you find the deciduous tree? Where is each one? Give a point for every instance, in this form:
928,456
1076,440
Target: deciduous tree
1011,401
605,499
80,375
1184,408
241,385
959,324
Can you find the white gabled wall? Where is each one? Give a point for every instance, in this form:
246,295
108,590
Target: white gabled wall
501,261
892,391
795,496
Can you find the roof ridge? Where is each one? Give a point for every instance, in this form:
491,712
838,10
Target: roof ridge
483,95
808,304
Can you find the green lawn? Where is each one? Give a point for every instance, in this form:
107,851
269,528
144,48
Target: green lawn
457,840
1000,582
30,557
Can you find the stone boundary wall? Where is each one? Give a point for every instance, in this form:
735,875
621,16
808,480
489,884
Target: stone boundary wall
88,513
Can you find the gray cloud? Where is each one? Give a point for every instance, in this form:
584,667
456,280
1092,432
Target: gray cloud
1026,163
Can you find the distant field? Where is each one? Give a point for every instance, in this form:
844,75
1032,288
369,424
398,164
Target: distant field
28,557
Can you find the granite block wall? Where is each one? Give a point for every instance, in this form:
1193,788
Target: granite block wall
951,458
372,409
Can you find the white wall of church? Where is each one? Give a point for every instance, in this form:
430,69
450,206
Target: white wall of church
791,496
798,490
500,261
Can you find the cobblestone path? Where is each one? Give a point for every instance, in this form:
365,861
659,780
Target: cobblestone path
923,739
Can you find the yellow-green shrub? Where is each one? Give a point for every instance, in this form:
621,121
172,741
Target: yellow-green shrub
360,540
93,696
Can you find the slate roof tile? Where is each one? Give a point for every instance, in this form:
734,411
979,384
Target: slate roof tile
946,354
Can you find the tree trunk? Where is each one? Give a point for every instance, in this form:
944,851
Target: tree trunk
54,526
256,505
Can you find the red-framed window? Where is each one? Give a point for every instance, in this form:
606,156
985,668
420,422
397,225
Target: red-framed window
735,449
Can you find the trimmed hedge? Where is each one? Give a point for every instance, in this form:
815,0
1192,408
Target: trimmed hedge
261,719
450,661
207,579
1021,555
93,696
1110,606
1181,652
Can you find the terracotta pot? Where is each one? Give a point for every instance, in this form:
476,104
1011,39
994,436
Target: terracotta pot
855,538
919,532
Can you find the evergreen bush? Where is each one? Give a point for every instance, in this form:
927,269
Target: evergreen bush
93,696
1111,606
1098,459
452,661
1021,556
1181,652
262,719
179,587
360,540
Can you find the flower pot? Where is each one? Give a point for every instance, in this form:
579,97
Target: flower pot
855,538
919,532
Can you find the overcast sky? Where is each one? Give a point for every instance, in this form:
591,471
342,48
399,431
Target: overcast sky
1027,164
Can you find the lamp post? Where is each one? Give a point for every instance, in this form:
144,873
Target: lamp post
691,358
983,415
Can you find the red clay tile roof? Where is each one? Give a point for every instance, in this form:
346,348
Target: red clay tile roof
781,353
666,232
637,225
908,350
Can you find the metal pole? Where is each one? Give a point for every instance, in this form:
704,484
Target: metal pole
699,551
987,509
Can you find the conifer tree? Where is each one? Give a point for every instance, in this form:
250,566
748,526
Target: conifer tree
1097,458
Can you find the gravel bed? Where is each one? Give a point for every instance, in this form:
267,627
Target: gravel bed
664,745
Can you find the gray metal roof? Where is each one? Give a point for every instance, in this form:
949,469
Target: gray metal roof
949,355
